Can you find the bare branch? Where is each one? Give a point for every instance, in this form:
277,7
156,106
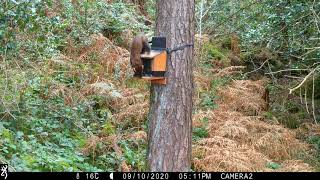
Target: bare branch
313,106
257,68
304,80
305,99
286,70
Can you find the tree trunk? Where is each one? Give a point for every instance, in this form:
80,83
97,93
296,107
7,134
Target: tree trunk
170,122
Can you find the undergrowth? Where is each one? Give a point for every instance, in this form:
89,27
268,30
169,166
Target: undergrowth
68,102
61,94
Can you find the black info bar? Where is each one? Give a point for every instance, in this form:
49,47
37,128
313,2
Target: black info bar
156,175
7,175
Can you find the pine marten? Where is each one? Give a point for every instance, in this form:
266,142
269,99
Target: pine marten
139,46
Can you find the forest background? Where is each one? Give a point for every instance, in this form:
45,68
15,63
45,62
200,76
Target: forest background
68,101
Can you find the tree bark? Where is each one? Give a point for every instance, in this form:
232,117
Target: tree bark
170,122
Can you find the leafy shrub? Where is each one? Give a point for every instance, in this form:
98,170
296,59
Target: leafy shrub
40,29
46,122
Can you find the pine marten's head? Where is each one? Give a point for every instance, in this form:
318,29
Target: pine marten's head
139,46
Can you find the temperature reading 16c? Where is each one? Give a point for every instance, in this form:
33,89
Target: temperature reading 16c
92,175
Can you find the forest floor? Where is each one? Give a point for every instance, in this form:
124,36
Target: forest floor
230,129
87,96
241,138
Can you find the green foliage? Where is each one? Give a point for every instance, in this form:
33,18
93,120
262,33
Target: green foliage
286,26
40,29
108,129
208,101
45,125
48,133
309,85
315,140
134,154
27,152
273,165
41,129
150,5
134,83
289,112
212,55
208,98
28,139
200,132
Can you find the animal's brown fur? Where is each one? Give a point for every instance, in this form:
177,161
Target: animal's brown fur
139,46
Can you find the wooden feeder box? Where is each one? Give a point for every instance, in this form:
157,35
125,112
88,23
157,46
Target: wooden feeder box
155,62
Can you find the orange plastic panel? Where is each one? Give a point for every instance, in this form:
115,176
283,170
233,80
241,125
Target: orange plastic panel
160,62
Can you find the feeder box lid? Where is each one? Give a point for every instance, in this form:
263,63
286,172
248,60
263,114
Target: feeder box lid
151,55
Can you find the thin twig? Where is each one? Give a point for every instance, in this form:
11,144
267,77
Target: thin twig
300,95
313,106
285,70
304,80
292,77
291,55
312,50
315,63
274,79
257,68
205,13
305,98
